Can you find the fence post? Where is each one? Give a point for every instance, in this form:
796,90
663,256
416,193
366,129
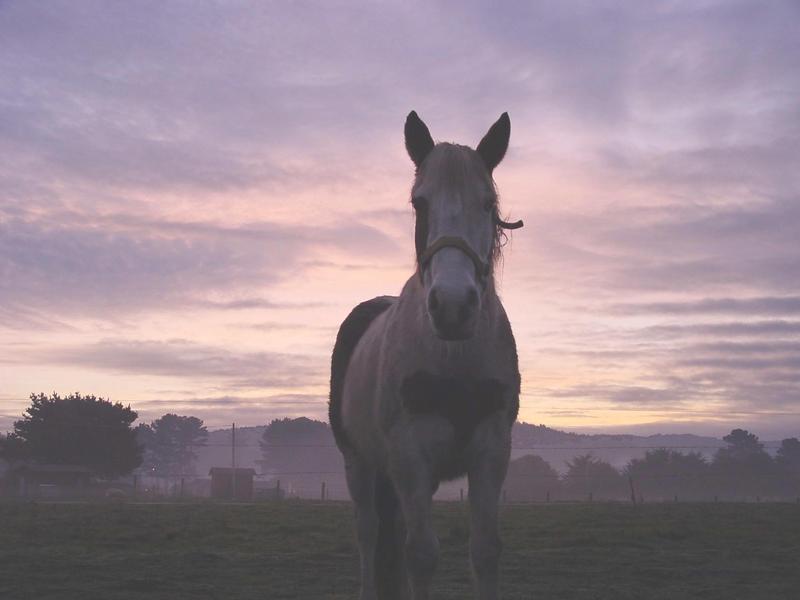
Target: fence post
278,490
322,494
633,494
505,498
676,497
462,494
590,496
182,484
135,485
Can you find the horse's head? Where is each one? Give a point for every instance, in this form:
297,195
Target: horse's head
457,223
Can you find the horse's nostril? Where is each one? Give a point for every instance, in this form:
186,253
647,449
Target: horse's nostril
433,301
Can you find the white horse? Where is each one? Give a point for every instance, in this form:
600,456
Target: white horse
425,386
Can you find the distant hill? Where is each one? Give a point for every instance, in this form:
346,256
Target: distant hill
555,446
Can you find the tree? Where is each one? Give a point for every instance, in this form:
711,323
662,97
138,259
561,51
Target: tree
665,473
531,477
80,430
589,475
787,462
743,467
13,448
741,445
300,444
300,451
169,442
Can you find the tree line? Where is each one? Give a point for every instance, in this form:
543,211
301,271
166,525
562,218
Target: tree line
741,469
93,432
96,433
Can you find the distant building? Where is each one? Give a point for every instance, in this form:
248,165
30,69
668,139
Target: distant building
32,480
223,480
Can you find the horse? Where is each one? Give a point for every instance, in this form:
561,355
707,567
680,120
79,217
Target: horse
425,385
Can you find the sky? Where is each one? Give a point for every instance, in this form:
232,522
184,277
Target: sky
193,195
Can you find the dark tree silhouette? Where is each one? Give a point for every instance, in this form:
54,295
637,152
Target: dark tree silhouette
13,448
664,474
788,465
530,477
741,444
743,468
80,430
169,444
589,475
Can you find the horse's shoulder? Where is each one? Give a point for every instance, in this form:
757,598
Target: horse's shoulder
505,338
350,332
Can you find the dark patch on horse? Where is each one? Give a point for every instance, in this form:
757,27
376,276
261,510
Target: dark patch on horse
464,402
350,332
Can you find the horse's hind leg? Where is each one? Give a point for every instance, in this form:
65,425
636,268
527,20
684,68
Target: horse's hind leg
361,483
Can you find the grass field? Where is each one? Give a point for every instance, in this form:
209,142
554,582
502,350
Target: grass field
307,550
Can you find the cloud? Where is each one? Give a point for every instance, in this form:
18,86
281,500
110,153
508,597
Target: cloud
189,360
771,328
653,158
220,411
625,395
118,266
767,305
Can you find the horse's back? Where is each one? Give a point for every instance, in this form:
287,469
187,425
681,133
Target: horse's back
350,332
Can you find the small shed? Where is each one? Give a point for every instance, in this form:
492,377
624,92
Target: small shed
228,483
53,481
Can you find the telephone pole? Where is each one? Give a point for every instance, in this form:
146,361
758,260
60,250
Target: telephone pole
233,461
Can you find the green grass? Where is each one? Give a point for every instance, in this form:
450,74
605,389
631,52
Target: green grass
307,550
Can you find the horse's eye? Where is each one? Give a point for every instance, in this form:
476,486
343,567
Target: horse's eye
419,203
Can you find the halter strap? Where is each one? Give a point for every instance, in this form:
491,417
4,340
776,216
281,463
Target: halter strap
482,268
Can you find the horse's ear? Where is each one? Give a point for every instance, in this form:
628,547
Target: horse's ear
418,139
494,144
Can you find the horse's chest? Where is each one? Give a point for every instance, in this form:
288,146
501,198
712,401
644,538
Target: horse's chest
463,401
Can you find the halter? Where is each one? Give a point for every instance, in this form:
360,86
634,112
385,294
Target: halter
482,267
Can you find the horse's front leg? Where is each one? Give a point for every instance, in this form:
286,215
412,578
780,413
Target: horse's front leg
361,482
415,487
491,450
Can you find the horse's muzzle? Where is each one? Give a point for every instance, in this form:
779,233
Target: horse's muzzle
453,311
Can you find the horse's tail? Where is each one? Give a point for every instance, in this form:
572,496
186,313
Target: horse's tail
390,572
